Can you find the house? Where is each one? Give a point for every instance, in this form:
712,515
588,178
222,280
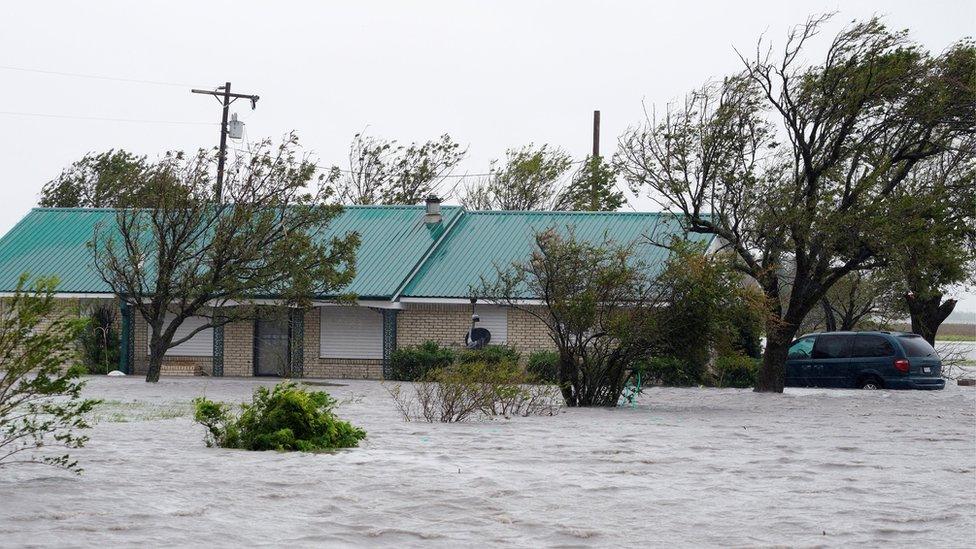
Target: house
416,267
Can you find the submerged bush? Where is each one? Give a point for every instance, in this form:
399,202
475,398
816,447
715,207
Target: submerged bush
288,417
413,363
544,366
671,372
735,371
475,390
490,354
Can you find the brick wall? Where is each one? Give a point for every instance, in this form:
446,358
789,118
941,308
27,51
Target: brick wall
239,348
448,324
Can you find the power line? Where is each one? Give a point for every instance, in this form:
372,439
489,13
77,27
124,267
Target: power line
94,76
106,119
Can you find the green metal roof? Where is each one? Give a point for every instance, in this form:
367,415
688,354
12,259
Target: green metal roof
482,240
53,241
397,250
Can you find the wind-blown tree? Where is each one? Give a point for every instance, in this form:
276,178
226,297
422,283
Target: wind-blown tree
860,300
40,399
937,252
795,166
384,172
528,180
598,305
190,254
102,180
593,188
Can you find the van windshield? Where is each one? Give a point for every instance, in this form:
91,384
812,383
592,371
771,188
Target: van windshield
916,346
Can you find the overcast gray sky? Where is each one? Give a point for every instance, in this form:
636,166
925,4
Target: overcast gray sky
492,74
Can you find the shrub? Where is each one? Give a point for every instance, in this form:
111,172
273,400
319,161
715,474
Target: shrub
100,341
285,418
544,366
490,354
671,372
41,406
413,363
735,371
470,390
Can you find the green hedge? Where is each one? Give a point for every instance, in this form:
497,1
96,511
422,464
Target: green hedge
735,371
490,354
413,363
670,372
544,366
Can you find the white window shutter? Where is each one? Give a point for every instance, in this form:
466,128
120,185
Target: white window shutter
350,332
495,320
201,344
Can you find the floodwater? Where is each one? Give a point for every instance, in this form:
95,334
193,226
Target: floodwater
686,467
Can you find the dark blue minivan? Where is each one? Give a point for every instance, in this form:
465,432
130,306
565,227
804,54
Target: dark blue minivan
864,360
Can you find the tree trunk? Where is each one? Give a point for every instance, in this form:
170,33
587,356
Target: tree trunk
157,350
928,314
830,322
772,371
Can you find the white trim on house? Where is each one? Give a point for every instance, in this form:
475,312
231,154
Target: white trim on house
463,301
63,295
350,332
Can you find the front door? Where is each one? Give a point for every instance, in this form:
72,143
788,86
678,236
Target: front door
271,347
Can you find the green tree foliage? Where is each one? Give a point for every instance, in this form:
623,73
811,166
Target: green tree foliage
797,167
705,310
599,303
40,400
529,179
100,341
383,171
593,188
286,418
936,251
103,180
190,254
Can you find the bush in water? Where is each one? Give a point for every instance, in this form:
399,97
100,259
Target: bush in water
285,418
413,363
490,354
475,390
735,371
671,372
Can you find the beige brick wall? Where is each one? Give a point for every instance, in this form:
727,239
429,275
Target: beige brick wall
447,325
239,348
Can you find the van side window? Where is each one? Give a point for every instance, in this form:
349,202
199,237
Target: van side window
802,348
868,345
832,346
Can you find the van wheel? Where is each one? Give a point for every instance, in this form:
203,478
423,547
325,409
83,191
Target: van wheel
871,384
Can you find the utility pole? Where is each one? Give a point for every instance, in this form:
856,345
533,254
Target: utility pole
594,200
224,96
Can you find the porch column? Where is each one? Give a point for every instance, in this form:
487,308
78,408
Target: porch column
127,341
389,339
296,342
218,351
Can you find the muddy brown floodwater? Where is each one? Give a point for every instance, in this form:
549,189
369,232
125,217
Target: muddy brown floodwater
686,467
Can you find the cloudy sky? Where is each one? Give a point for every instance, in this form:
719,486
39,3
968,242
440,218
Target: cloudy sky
493,74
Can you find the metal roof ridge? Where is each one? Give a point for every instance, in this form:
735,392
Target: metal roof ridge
448,230
566,212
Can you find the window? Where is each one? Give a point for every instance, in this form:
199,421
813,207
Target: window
350,332
802,348
868,345
916,346
832,346
201,344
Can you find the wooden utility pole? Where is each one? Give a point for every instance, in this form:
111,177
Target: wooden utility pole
594,162
224,96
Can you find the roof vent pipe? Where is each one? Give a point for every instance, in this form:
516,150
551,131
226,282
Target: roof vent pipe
433,214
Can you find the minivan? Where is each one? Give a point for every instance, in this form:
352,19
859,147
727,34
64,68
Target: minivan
864,360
